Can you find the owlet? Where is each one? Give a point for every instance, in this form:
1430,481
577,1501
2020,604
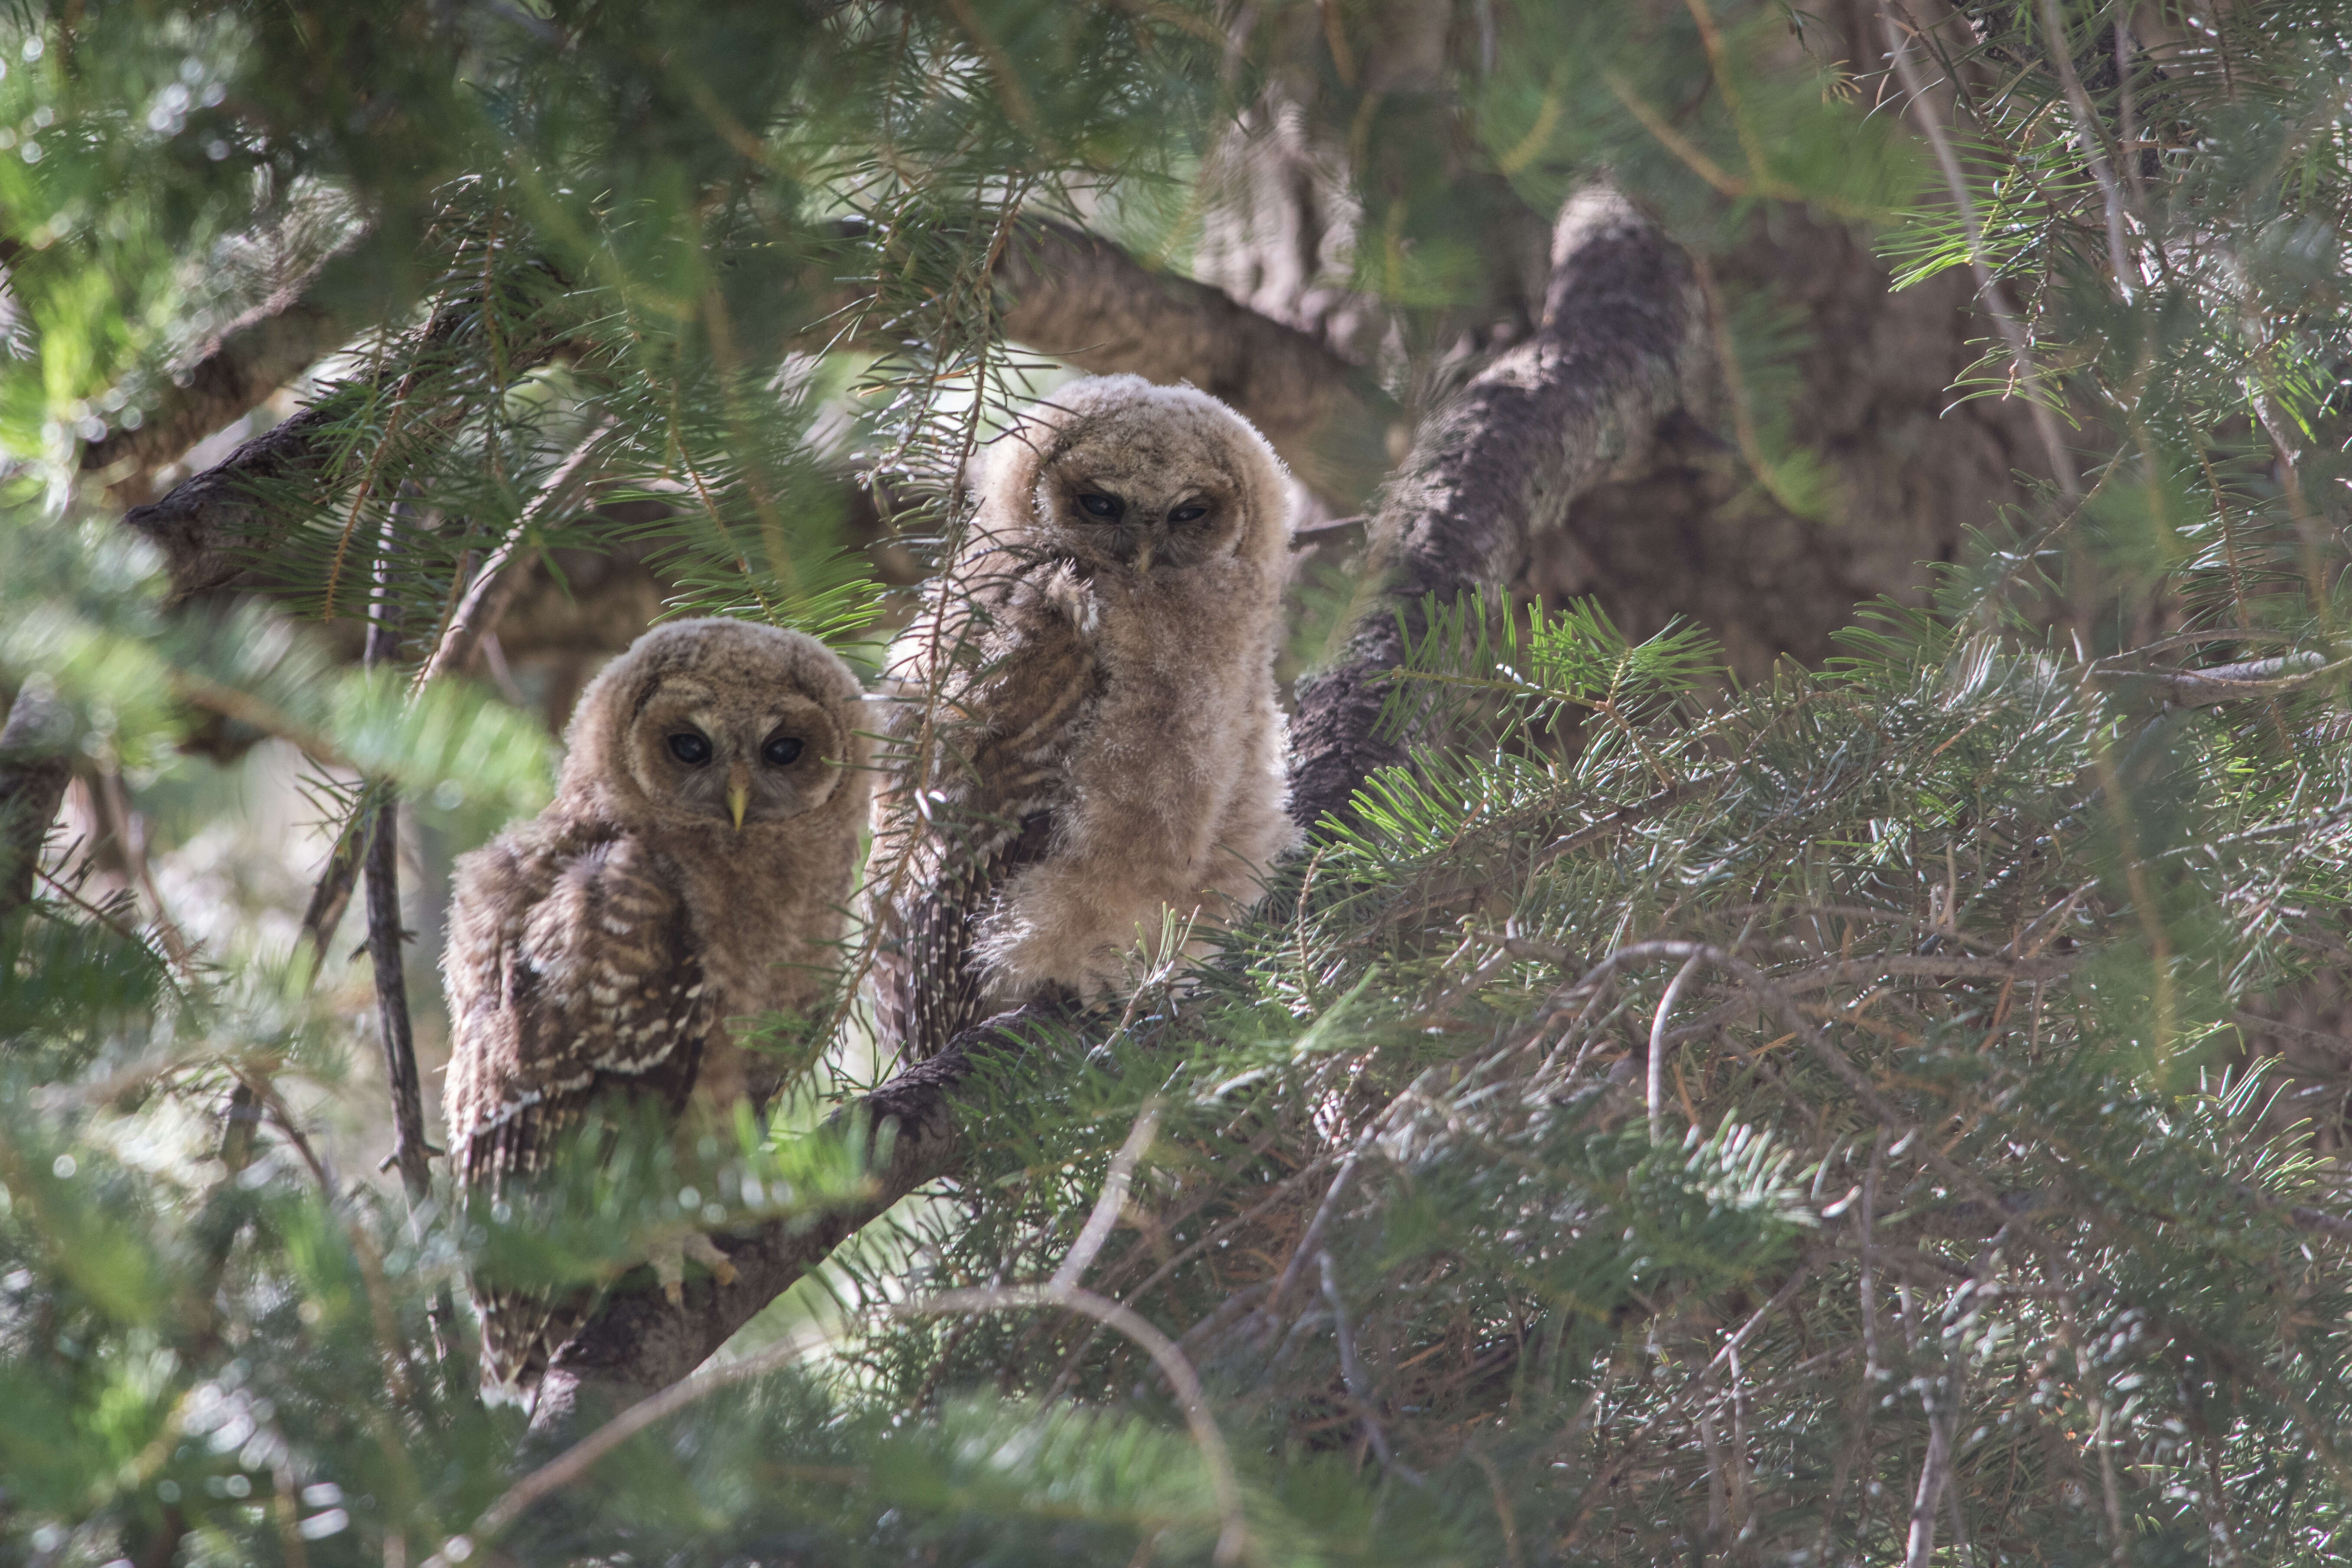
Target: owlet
691,871
1083,735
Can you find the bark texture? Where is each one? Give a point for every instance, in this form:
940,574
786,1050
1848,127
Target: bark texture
638,1342
259,353
1622,346
1691,533
1080,299
34,769
1694,535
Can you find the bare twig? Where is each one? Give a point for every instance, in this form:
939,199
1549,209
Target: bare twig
1934,1474
1105,1218
410,1151
1351,1373
1310,1241
1657,1063
2094,141
2256,677
331,895
493,590
2038,393
1233,1535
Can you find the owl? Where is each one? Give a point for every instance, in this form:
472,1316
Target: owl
693,870
1084,749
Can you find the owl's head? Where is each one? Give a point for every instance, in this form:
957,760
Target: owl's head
1123,477
715,723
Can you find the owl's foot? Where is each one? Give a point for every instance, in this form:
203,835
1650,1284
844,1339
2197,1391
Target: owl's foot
669,1263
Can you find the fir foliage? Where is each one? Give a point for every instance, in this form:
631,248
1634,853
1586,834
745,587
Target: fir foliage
1808,1121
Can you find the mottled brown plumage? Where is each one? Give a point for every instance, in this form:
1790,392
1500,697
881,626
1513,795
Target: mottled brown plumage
692,871
1084,736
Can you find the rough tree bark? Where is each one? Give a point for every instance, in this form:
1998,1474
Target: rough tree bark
1076,298
1690,532
252,359
1622,345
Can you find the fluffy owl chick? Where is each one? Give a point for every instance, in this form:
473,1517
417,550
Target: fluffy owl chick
692,871
1084,736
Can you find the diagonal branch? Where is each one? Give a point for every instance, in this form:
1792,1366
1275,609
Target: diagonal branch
640,1342
255,355
211,524
1065,293
1623,344
492,592
1071,295
1623,339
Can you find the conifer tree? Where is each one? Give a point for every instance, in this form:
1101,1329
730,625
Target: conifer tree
1769,1053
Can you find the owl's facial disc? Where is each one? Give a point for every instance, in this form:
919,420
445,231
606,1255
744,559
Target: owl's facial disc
1142,521
734,758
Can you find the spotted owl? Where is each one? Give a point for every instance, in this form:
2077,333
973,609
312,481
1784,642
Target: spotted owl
1083,738
692,870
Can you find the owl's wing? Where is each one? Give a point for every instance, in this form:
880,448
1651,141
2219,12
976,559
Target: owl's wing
579,980
926,989
1002,730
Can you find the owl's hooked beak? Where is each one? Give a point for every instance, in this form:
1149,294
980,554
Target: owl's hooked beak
1143,555
738,793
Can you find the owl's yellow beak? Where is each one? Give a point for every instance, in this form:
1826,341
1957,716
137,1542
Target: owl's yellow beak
1143,556
738,793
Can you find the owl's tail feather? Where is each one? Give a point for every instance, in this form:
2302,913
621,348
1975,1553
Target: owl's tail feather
521,1331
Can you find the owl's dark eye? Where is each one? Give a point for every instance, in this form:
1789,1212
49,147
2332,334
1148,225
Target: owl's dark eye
1190,511
1101,505
781,751
689,748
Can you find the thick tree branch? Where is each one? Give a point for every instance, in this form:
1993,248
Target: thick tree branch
1081,298
1623,344
211,524
639,1343
1065,293
34,768
259,353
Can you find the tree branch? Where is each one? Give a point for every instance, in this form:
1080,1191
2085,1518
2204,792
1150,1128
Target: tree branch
34,768
1623,334
210,525
1075,297
1622,344
259,353
638,1342
1065,293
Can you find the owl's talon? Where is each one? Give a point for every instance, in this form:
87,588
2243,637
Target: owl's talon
668,1258
711,1256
